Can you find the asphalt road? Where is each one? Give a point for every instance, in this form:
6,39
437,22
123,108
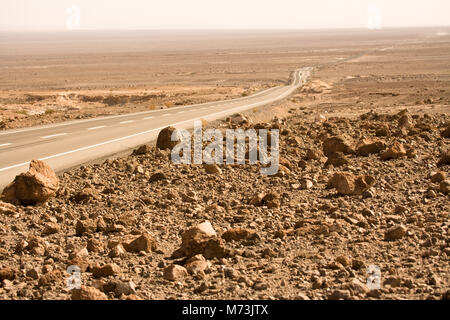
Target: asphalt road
68,144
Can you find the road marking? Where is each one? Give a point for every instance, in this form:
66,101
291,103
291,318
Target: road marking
5,144
95,128
147,118
125,122
279,97
179,112
166,114
54,135
67,123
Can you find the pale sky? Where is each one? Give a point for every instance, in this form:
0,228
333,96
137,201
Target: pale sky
220,14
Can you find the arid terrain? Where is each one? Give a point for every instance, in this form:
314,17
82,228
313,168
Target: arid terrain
363,180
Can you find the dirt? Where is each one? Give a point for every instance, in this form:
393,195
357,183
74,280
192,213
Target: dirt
129,223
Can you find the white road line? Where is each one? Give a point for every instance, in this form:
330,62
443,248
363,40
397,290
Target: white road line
166,114
281,96
5,144
179,112
67,123
147,118
125,122
95,128
53,135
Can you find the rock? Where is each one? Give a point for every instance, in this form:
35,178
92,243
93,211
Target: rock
394,152
257,200
51,228
94,245
357,287
201,239
212,169
120,287
395,233
314,154
438,176
306,184
301,296
36,185
382,131
51,278
110,269
164,140
444,187
144,149
144,243
157,176
175,272
344,260
88,293
405,121
339,295
336,159
369,145
238,119
197,264
239,235
445,158
348,184
33,273
271,200
231,273
117,251
7,208
446,132
85,226
336,144
7,273
85,196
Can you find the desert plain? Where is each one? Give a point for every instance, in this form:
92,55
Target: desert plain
363,183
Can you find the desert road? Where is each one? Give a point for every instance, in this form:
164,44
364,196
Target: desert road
68,144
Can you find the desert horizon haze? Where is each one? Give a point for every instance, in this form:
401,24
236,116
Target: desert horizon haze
214,14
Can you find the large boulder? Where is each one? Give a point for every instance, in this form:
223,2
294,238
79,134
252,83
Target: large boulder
164,140
36,185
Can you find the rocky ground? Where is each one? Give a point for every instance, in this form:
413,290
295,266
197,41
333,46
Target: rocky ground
351,194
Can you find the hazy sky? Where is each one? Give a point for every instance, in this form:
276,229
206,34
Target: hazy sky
220,14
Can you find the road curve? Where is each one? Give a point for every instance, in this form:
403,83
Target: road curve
68,144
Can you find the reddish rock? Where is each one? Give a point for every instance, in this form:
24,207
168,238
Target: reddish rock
143,243
201,239
369,145
397,150
164,140
107,270
36,185
88,293
175,272
348,184
445,158
336,144
239,235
